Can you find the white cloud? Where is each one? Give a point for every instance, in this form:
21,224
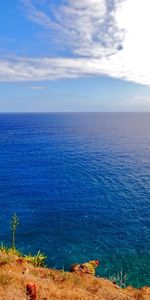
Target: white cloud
38,69
86,27
94,30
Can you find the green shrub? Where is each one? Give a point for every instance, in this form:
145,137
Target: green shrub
37,260
3,248
10,250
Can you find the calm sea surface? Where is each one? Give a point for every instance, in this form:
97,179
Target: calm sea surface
80,184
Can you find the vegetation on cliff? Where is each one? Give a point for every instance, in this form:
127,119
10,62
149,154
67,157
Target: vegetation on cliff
26,277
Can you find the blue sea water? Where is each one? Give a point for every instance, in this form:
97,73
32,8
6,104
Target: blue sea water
80,184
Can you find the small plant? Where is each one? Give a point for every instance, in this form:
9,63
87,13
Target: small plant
14,223
9,250
120,279
14,251
37,260
3,248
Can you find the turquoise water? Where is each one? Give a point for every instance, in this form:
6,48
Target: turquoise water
80,184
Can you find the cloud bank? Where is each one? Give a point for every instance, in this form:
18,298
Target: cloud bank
102,37
87,28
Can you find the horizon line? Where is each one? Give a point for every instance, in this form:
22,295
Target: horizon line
68,112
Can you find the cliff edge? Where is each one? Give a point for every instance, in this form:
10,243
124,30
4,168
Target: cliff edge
17,274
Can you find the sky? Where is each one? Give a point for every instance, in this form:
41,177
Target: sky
74,55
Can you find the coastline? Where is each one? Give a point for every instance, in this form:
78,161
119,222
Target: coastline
16,274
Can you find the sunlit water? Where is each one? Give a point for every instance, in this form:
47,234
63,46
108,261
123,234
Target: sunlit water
80,184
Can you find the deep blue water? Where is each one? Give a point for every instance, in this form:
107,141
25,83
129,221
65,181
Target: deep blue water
80,184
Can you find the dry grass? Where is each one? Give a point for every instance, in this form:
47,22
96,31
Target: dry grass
16,272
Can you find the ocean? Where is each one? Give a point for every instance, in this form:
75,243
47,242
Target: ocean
80,185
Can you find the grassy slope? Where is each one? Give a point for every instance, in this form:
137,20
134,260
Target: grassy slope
16,272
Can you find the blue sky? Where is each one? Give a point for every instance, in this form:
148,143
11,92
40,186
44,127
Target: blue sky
66,55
